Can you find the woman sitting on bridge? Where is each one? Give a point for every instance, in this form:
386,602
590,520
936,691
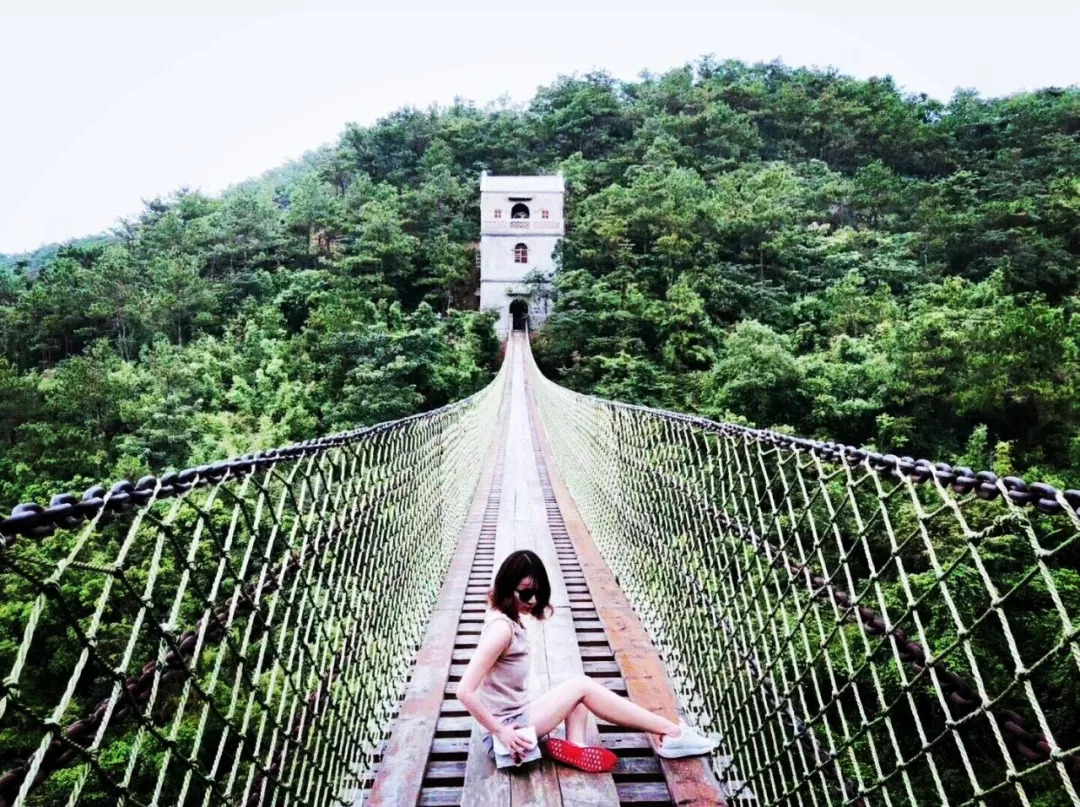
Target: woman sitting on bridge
494,687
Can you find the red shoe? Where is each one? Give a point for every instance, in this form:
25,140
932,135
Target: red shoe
589,758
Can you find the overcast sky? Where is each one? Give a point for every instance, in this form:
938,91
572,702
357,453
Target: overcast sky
99,110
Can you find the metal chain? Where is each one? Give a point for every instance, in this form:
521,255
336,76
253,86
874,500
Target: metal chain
306,575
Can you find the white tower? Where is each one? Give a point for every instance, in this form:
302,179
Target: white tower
521,221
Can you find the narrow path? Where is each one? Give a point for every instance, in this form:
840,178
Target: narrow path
520,511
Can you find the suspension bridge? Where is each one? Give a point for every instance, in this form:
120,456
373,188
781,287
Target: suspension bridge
288,627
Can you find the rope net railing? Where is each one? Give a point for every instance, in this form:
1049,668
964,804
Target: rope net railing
860,629
234,634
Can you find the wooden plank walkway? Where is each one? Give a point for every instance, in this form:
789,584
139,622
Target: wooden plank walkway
434,756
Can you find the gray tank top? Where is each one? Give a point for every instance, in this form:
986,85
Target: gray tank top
505,688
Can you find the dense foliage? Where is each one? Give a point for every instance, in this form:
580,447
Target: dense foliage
211,327
785,247
38,259
829,256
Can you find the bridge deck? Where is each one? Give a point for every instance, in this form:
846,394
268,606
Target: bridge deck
434,756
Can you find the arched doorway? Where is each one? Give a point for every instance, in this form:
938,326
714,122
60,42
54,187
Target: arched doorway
519,211
519,314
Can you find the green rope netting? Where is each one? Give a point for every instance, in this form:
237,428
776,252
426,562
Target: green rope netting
855,632
243,642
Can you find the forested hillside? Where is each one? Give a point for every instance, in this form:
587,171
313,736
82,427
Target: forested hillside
787,247
36,260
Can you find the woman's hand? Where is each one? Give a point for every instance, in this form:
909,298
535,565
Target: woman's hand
516,741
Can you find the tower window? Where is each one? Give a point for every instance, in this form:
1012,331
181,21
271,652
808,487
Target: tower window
498,214
545,214
521,254
519,211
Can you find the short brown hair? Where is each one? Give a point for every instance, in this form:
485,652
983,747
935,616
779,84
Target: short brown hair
517,566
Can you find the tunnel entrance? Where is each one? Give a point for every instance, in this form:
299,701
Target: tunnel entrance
519,313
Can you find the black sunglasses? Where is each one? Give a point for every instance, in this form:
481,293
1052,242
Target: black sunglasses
525,594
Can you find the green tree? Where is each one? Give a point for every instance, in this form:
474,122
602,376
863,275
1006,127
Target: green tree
757,376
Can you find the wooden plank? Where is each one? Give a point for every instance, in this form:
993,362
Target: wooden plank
537,784
578,788
447,746
588,624
484,785
504,529
441,797
604,669
638,766
690,781
400,775
644,793
523,525
559,650
622,742
445,769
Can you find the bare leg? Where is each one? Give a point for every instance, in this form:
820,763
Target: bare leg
576,723
550,709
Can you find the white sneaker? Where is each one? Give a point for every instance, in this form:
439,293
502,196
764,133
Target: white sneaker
690,743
